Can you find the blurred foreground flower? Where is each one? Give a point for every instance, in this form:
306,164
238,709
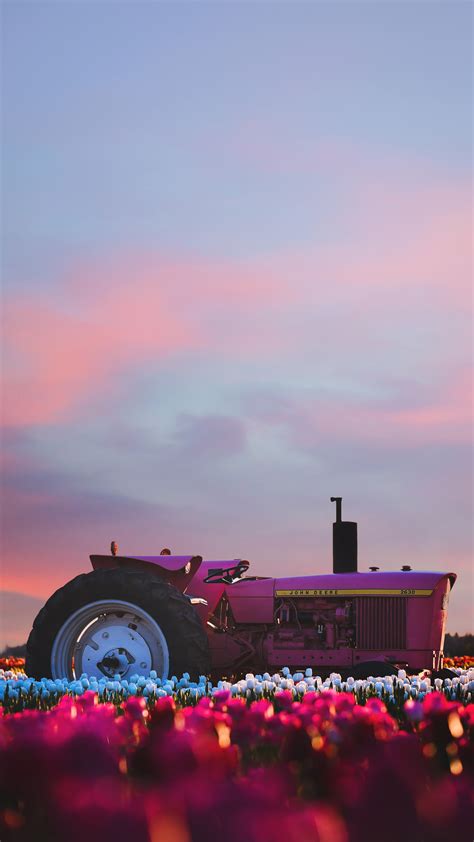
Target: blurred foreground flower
312,768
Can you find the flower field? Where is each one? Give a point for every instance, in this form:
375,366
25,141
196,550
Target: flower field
462,661
18,692
287,757
15,664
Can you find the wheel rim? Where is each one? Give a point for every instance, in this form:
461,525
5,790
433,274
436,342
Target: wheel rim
109,638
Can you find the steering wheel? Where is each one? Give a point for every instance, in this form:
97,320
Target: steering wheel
227,575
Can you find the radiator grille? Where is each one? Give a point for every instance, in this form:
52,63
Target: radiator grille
381,622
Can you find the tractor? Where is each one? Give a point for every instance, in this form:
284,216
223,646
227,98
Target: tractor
177,614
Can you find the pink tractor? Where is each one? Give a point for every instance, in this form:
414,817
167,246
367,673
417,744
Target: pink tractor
176,614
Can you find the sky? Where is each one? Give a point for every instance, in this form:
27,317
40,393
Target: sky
236,281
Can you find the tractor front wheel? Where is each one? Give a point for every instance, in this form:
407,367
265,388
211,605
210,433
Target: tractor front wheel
375,668
117,622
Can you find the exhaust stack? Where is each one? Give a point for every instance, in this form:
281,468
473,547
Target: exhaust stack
344,542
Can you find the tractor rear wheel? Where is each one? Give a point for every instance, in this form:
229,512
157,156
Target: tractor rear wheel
117,622
443,673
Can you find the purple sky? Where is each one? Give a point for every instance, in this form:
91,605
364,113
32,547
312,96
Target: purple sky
237,280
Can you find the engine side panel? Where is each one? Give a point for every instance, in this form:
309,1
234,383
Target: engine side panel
252,601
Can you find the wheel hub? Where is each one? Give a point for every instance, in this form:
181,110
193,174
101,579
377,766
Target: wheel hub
116,662
113,646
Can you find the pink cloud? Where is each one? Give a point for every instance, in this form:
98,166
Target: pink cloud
397,221
393,239
66,343
399,272
60,355
442,414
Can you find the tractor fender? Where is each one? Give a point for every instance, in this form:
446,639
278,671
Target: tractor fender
178,570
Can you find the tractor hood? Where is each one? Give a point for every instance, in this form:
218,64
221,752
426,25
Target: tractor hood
389,582
178,570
